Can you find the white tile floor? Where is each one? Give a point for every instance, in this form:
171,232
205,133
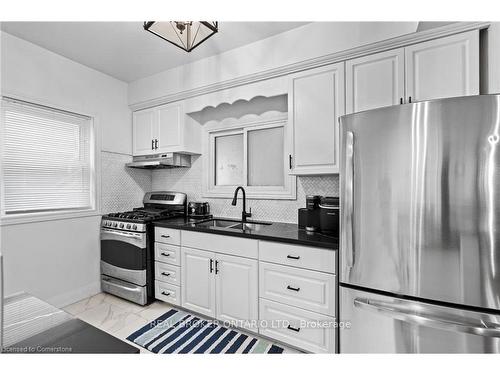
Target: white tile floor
119,317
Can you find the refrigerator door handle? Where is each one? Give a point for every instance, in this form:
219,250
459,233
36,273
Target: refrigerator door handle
407,313
348,210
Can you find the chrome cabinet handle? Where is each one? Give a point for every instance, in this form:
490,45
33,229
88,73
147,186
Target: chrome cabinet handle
211,265
292,288
156,144
165,294
165,274
406,313
348,211
293,257
165,236
165,254
293,328
152,144
216,267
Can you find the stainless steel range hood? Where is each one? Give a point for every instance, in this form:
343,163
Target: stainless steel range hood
165,160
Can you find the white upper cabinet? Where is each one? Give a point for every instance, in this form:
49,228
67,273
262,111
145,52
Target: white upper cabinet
445,67
316,100
375,81
143,125
438,68
165,129
169,127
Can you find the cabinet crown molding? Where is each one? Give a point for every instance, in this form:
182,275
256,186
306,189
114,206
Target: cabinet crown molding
400,41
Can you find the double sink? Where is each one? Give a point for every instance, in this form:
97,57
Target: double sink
233,224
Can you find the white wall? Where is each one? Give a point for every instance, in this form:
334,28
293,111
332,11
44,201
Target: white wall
306,42
37,74
59,260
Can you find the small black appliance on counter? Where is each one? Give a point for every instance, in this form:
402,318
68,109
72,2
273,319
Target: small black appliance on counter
329,215
199,210
321,215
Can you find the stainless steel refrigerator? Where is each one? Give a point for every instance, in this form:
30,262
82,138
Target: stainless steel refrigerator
420,227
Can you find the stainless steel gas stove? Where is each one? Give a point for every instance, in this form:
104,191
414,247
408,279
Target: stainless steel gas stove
127,258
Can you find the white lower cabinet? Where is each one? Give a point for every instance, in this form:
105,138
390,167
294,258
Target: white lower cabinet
236,291
220,286
198,282
167,253
168,273
168,292
304,329
310,290
222,278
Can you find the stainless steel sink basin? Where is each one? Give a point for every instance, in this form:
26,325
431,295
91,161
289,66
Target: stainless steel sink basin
220,223
233,224
249,226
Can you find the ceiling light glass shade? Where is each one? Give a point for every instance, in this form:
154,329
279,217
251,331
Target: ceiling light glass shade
184,34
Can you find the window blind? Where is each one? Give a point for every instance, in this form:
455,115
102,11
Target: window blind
47,159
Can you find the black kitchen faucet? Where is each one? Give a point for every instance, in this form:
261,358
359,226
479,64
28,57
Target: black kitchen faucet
244,213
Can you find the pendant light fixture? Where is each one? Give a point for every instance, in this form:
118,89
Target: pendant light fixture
186,35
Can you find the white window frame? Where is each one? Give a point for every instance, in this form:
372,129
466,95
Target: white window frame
95,138
210,190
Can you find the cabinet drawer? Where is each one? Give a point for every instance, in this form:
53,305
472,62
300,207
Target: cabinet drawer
168,254
304,329
167,235
242,247
310,290
298,256
168,273
168,292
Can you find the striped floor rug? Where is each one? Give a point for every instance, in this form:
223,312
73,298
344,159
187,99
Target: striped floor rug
181,332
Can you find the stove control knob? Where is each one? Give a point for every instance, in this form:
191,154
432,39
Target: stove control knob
134,227
121,225
115,225
128,226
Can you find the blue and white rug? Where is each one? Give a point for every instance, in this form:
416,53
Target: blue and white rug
181,332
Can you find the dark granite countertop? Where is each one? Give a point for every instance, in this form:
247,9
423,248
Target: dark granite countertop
279,232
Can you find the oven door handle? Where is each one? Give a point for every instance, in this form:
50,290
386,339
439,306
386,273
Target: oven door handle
128,235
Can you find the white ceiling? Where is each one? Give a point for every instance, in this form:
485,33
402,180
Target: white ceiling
125,51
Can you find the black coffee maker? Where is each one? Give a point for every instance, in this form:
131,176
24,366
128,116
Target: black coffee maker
320,215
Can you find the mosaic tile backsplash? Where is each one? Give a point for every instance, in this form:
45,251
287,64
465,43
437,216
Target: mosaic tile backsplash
189,181
122,188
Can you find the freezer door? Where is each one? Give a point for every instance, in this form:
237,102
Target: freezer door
381,324
420,200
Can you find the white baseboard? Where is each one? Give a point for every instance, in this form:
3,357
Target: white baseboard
73,296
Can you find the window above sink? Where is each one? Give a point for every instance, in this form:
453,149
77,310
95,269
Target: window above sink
252,153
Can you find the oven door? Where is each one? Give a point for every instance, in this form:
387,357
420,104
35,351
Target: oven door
124,255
